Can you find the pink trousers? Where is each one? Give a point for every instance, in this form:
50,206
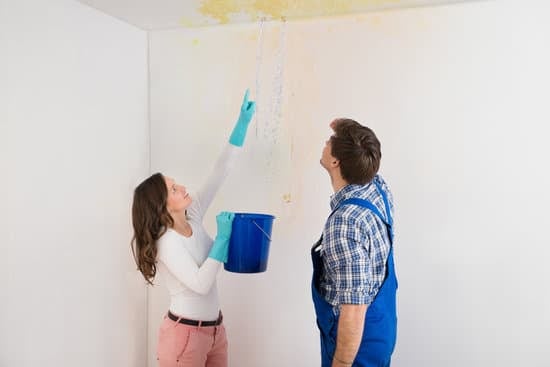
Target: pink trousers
182,345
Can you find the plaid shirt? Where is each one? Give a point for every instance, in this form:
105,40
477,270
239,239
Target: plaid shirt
355,247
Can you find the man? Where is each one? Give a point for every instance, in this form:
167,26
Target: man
354,284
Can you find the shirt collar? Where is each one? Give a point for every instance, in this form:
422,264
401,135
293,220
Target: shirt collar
343,194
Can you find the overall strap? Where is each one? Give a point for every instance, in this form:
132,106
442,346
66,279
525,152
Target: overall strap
386,203
365,204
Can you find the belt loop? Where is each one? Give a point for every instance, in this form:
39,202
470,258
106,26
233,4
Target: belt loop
177,321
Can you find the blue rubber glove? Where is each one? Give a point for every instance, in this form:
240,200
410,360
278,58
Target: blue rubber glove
239,131
220,248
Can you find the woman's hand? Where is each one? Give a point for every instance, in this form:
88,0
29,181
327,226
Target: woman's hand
239,131
220,248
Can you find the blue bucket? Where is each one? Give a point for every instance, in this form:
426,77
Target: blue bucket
249,243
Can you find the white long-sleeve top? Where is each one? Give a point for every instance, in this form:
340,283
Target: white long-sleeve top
183,262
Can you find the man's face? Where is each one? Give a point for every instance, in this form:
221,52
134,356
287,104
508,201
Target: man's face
327,160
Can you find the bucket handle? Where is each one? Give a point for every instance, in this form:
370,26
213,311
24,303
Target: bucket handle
260,228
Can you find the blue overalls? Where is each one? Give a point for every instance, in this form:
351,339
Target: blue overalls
380,329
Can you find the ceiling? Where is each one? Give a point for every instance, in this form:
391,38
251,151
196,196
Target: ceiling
165,14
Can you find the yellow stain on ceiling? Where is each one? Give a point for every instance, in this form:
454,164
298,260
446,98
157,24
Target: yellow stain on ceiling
186,22
220,9
223,10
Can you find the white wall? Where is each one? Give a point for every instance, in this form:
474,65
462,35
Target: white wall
73,143
457,95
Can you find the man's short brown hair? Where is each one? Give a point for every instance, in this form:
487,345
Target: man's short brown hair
358,150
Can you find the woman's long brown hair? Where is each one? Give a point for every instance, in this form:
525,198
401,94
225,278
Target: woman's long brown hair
150,220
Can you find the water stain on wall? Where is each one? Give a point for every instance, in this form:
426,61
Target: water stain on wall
223,10
287,198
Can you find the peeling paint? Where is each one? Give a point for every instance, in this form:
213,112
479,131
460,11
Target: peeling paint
224,10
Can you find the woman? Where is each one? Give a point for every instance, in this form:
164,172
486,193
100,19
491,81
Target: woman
169,237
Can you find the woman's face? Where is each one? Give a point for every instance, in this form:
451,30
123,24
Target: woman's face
178,198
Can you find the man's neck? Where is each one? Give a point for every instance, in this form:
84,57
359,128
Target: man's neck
338,183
